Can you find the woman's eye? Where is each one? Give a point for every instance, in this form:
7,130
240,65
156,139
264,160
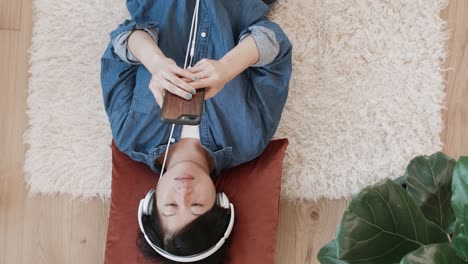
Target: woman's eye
171,204
197,204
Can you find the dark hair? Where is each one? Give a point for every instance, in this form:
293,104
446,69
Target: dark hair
199,235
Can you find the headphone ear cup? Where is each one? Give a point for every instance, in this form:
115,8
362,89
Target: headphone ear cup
222,200
148,203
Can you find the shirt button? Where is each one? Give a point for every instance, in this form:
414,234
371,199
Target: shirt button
203,34
172,140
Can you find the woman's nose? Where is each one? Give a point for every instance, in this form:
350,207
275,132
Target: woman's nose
185,190
184,194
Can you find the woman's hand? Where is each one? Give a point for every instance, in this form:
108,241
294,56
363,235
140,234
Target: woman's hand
210,74
166,75
215,74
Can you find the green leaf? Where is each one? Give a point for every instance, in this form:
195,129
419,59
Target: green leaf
382,224
460,187
400,180
460,207
429,181
328,254
460,241
433,254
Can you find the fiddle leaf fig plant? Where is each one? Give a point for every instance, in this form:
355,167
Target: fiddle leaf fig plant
429,182
421,217
435,253
460,206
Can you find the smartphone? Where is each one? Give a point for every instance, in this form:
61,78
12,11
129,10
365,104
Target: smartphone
177,110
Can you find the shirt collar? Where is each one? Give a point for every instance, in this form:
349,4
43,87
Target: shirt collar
222,158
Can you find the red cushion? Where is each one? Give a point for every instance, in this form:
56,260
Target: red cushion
254,188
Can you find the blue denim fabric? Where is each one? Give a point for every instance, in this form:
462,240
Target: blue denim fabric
264,38
238,123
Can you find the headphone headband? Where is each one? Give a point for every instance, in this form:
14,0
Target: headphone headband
146,208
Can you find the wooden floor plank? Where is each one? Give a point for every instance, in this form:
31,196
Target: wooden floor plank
88,241
10,14
455,135
305,227
11,177
47,230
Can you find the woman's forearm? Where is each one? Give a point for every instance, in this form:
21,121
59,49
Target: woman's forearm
244,55
144,48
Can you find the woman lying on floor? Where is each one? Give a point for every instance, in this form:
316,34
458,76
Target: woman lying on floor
244,61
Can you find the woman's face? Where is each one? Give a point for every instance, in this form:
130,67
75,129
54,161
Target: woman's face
184,192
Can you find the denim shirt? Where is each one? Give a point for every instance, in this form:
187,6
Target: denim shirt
264,38
238,123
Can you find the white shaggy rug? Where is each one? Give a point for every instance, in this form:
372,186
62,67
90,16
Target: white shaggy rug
366,93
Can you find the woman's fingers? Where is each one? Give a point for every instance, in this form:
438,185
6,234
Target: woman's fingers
159,96
204,72
181,84
176,90
157,92
183,73
204,79
196,69
159,86
187,80
166,75
202,83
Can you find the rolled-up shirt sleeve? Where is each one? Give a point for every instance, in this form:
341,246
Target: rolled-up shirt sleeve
269,80
265,39
119,38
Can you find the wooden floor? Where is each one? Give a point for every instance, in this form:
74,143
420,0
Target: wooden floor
61,230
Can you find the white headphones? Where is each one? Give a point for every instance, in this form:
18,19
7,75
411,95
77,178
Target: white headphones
147,204
146,208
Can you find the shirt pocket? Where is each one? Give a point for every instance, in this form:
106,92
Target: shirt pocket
148,156
140,156
225,155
